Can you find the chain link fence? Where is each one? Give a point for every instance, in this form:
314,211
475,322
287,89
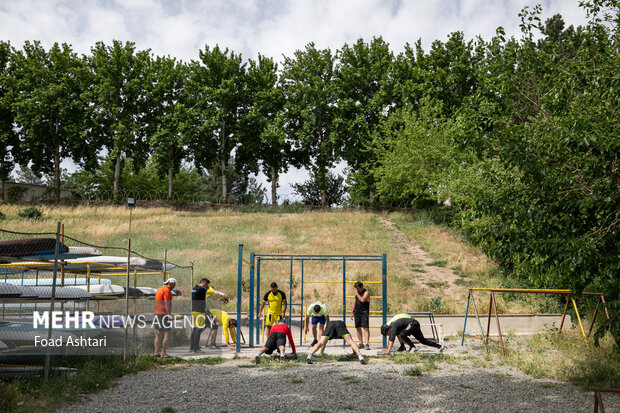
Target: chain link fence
60,296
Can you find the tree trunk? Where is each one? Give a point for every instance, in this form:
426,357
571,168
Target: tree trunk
224,189
323,199
274,186
170,182
223,160
117,175
1,190
57,173
371,197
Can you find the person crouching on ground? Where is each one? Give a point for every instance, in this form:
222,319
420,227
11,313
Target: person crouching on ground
333,331
402,326
277,340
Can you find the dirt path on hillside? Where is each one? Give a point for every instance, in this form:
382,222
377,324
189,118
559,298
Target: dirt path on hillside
425,271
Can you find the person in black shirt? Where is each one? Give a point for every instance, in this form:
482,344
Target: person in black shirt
361,313
201,316
402,326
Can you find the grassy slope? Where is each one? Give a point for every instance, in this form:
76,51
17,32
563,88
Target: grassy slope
210,240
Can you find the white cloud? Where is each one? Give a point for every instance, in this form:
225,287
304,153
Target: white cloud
180,28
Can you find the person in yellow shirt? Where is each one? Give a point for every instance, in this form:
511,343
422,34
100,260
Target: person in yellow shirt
277,306
228,325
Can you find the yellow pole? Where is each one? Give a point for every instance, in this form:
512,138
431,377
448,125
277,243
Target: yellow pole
578,318
304,318
263,332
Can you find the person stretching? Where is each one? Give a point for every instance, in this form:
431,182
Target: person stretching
333,331
320,316
277,340
402,326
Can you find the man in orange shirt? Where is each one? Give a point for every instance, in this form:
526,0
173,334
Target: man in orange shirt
163,319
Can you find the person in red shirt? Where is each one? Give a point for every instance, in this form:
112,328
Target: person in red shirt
163,319
277,339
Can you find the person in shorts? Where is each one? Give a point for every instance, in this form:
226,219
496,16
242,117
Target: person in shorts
277,306
201,316
333,331
320,315
163,317
277,341
360,313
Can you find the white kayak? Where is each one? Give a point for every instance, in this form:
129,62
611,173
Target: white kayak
69,281
9,291
148,291
62,293
104,290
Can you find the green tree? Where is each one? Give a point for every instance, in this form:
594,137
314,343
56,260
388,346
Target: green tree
312,194
120,115
308,81
217,84
266,142
170,115
46,99
364,85
9,140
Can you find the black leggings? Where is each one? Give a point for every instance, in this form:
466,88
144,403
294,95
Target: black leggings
414,330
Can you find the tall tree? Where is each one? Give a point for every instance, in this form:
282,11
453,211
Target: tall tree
9,140
46,98
120,106
266,140
219,102
308,81
168,142
364,86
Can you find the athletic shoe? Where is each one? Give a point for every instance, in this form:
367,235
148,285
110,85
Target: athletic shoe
191,349
213,347
401,349
282,358
309,361
367,346
442,349
257,359
413,350
363,360
313,343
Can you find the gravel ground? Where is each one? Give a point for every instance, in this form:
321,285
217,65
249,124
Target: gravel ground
238,386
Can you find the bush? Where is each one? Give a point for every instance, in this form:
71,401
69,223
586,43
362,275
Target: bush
2,216
31,213
15,193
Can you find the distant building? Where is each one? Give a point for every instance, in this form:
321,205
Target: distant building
35,192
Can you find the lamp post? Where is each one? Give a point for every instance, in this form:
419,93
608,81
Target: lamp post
131,203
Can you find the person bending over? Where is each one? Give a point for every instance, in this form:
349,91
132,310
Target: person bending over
277,340
320,316
403,326
228,325
333,331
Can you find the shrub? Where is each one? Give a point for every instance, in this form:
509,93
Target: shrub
15,193
31,213
2,216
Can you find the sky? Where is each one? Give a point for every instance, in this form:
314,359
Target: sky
274,28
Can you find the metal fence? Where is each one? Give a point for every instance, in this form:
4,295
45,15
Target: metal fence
60,296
